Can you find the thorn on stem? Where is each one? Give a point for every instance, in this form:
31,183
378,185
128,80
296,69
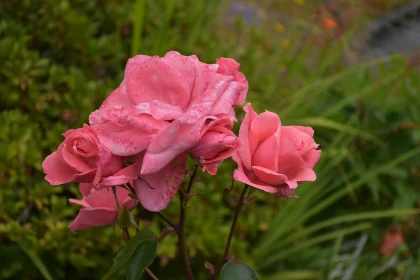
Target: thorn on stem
165,232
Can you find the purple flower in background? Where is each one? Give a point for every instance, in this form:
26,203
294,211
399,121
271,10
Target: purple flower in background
245,11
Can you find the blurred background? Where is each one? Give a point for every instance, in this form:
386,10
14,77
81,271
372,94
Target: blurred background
350,69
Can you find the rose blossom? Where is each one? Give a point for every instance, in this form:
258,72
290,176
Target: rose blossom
162,106
80,158
100,208
160,111
217,143
273,157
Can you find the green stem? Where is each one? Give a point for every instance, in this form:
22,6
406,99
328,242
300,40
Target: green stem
181,227
175,227
238,210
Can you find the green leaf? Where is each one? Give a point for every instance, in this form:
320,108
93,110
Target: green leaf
141,258
124,255
36,260
235,271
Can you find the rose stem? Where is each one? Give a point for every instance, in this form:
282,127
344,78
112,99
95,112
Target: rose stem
175,227
181,229
126,237
238,209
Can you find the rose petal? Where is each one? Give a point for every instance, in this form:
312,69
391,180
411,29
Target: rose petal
312,157
118,98
262,127
203,104
154,79
187,137
244,152
105,198
125,134
85,188
302,175
159,110
165,139
240,176
75,162
228,98
269,177
267,153
124,176
156,190
58,172
187,65
93,218
305,129
228,66
290,162
79,202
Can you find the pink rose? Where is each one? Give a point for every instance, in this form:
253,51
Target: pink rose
217,143
100,208
273,157
162,106
80,158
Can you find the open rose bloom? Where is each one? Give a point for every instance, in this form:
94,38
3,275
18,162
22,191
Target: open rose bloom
274,158
164,109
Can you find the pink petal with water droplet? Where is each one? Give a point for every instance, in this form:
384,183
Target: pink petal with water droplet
156,190
178,141
154,79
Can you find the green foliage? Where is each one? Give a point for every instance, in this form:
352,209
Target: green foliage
238,271
137,255
60,59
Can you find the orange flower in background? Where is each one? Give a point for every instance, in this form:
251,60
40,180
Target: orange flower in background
329,23
390,242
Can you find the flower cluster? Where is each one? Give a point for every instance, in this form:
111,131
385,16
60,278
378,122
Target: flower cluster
165,108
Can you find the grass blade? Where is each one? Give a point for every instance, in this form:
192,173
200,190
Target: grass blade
36,261
138,23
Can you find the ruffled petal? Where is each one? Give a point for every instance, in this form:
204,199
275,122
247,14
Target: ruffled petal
290,162
267,153
233,92
312,157
85,189
124,176
154,79
262,127
88,217
186,65
305,129
186,137
73,161
268,176
58,172
118,98
203,104
250,179
244,152
122,132
159,110
302,175
156,190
